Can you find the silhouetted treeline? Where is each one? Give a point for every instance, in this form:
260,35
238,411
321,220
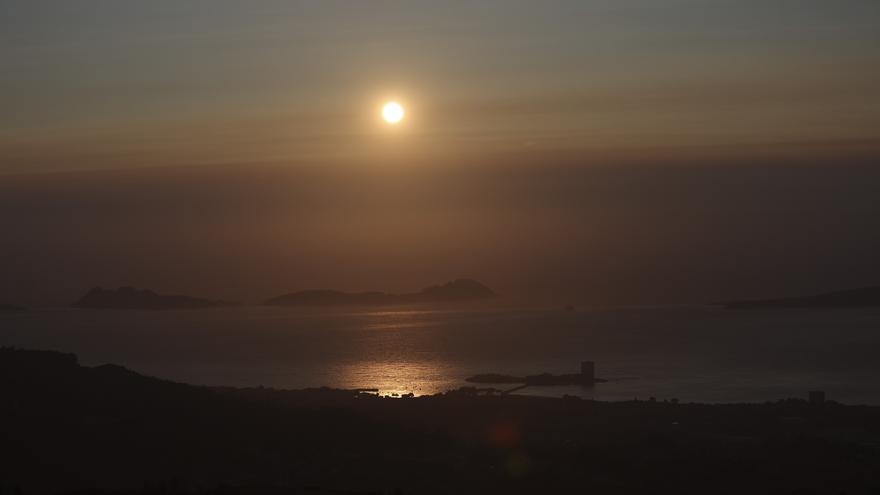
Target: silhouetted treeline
74,429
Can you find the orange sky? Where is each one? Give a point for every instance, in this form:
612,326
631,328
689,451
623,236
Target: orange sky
118,84
598,152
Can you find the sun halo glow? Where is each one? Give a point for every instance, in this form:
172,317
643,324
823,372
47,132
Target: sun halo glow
393,112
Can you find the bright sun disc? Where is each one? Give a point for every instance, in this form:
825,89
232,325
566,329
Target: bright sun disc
392,112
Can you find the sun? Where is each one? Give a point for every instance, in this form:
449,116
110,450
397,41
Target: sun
392,112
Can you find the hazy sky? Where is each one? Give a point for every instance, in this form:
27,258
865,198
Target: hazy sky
603,151
117,83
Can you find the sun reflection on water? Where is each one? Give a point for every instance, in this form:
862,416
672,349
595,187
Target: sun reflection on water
398,377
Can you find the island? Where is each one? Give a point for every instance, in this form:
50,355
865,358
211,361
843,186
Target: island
854,298
132,298
586,378
454,291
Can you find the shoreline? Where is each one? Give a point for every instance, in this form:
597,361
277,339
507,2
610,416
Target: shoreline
105,429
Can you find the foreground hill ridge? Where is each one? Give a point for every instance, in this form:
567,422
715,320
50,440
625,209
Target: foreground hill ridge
462,289
69,428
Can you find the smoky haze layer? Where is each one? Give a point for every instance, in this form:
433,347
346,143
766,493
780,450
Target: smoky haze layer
581,234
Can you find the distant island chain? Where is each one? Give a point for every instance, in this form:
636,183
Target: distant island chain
459,290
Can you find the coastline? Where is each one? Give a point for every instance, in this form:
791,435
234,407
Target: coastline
129,431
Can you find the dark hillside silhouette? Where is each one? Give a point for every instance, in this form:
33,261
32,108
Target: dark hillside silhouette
458,290
454,291
853,298
70,428
132,298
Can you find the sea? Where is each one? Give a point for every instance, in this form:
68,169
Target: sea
692,354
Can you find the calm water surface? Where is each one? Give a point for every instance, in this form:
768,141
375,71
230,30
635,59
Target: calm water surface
694,354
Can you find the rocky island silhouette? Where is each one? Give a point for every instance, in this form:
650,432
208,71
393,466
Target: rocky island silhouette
864,297
586,378
455,291
132,298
